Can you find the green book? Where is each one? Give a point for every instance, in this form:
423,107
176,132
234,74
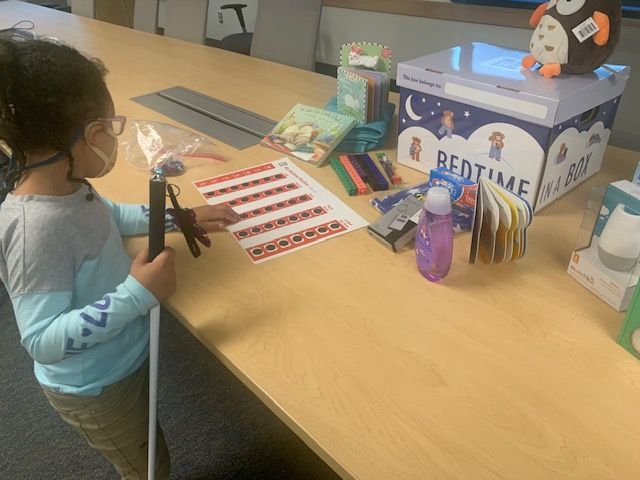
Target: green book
353,94
629,336
309,133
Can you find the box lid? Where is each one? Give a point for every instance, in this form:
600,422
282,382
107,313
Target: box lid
489,76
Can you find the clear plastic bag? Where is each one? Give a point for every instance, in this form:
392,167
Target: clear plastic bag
152,146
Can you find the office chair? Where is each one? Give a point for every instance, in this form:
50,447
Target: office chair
287,32
237,42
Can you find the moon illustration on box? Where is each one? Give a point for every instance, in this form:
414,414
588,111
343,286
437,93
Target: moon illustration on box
407,106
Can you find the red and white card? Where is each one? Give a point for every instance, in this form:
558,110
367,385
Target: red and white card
282,209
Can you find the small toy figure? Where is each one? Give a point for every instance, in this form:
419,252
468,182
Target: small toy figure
415,149
169,166
497,145
561,49
447,123
593,139
562,155
356,58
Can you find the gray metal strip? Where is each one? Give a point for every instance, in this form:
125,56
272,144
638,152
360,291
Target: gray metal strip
232,125
243,119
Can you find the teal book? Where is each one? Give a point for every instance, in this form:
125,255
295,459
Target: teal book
353,95
309,133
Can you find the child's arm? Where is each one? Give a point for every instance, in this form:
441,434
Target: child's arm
133,219
51,331
215,217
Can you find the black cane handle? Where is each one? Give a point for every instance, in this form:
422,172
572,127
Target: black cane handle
157,192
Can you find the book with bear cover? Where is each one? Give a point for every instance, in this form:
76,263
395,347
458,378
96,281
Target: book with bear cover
308,133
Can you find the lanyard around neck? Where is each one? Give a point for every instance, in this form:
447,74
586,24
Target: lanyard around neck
56,157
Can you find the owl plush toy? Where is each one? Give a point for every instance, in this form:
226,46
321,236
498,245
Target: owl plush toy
573,36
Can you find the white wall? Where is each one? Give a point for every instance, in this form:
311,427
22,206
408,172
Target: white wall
84,8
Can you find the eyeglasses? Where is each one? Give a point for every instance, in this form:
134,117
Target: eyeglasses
115,124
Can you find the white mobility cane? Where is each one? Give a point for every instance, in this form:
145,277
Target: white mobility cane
157,191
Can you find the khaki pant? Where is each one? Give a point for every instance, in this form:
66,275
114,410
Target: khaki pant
115,423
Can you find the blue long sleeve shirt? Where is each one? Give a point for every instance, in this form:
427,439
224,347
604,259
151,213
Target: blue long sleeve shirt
82,317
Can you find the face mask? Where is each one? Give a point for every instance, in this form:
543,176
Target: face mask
108,160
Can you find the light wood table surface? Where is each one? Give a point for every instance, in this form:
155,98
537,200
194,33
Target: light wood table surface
500,372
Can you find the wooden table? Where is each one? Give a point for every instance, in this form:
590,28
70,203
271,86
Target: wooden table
507,371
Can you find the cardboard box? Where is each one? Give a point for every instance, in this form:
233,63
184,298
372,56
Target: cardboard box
473,110
589,265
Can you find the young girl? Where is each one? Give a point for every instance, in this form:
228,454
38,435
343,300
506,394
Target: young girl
80,302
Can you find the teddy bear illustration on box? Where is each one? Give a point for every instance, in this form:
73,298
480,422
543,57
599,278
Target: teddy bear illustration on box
447,123
594,139
562,155
415,149
497,144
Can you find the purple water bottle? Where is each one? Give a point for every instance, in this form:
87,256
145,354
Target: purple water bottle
434,240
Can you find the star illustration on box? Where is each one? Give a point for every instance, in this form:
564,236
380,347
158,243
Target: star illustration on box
426,119
473,110
471,141
604,114
437,132
447,123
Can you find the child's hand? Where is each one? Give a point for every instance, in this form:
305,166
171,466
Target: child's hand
215,217
159,276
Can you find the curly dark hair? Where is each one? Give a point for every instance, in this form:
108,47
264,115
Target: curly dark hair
48,92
